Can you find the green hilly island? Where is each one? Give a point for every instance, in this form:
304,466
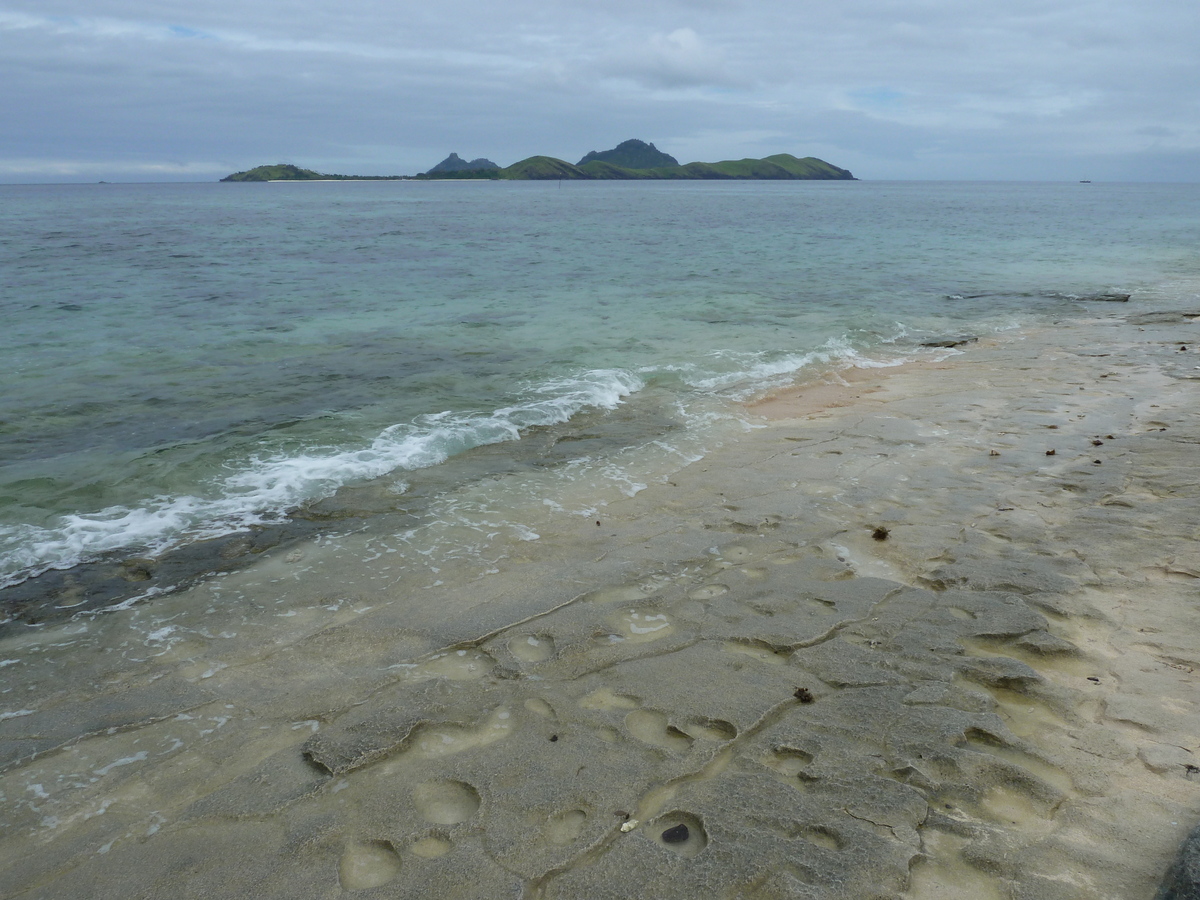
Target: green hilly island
633,154
630,160
288,172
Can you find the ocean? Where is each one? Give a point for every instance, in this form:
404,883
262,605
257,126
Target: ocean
510,539
194,374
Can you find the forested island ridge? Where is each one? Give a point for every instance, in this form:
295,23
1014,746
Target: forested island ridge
630,160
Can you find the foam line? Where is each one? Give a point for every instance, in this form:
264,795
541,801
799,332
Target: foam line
268,488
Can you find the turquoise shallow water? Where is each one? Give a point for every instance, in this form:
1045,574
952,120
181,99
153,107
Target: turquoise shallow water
181,361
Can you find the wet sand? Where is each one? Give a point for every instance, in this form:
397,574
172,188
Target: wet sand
920,632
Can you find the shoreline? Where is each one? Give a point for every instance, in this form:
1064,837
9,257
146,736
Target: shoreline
129,575
883,645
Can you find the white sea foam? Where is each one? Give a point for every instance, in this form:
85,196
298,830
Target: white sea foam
267,488
140,756
755,375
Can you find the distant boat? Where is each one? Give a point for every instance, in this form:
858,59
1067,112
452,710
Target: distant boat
1084,181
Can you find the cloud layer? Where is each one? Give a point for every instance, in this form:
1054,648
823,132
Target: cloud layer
131,89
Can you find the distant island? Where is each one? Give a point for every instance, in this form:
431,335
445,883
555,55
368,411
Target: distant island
629,160
288,172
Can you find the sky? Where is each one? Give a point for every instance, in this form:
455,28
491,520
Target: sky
166,90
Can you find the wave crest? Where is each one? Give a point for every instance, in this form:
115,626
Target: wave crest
267,488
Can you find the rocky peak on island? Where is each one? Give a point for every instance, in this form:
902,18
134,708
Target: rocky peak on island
455,163
632,154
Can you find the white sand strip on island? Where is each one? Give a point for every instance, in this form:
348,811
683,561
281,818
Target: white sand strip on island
928,632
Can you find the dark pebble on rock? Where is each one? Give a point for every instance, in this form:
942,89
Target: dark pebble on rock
676,835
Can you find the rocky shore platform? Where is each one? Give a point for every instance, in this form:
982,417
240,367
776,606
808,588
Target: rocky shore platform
922,632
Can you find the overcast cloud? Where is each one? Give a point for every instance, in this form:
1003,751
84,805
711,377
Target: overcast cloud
170,90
